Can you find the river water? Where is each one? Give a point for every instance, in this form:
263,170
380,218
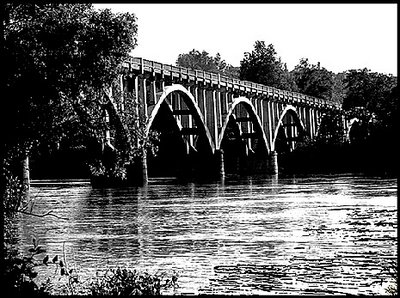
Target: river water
260,235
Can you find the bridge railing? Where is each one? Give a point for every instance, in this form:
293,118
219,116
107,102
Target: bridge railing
143,65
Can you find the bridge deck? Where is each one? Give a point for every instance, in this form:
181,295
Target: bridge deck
146,66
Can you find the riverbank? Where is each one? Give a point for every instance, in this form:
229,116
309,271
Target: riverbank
343,158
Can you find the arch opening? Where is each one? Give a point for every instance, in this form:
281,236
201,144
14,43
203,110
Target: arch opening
184,143
242,139
289,133
171,146
357,132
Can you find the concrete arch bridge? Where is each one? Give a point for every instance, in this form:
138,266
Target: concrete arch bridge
211,122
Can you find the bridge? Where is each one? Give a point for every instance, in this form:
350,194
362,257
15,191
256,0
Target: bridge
216,121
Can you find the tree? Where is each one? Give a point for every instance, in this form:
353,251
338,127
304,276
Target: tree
263,66
60,59
313,79
339,87
57,61
373,98
203,61
370,91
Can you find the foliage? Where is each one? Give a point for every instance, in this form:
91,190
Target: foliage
263,66
117,282
137,140
20,272
313,79
369,90
19,275
331,135
131,141
203,61
338,87
14,192
59,59
112,175
99,170
373,99
372,95
331,130
393,272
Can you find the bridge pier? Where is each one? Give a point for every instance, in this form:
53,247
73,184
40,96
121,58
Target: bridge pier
273,162
221,163
145,175
25,171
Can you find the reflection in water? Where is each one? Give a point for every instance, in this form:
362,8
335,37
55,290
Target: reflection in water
252,235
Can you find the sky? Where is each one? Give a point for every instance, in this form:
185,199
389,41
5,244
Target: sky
339,36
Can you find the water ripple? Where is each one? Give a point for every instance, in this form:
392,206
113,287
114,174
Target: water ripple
295,235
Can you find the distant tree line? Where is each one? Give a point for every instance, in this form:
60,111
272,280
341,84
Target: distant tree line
203,61
262,65
369,97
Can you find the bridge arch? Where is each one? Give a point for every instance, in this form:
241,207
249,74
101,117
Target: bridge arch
357,131
351,125
289,110
190,102
246,103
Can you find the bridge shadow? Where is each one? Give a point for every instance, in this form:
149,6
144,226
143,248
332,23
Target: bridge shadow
175,157
241,156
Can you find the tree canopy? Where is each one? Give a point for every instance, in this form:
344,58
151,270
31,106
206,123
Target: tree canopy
59,58
204,61
339,87
370,90
313,79
263,66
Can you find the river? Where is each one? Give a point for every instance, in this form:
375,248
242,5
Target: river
260,235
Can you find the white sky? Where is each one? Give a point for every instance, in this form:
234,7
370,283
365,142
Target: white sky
339,36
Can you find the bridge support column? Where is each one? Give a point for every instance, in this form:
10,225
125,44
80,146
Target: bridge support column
273,162
25,171
145,175
107,134
221,163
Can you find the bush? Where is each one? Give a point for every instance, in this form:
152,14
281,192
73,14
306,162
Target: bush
19,273
126,282
391,268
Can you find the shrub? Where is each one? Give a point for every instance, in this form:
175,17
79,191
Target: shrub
392,270
19,273
127,282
